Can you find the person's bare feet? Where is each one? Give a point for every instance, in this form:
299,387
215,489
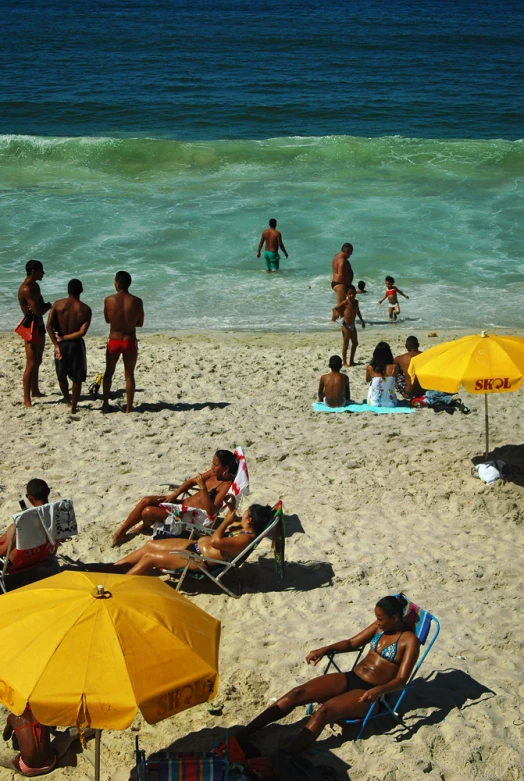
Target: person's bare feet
38,394
27,403
347,365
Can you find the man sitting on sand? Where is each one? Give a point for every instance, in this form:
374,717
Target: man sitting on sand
124,313
36,757
404,385
67,324
333,389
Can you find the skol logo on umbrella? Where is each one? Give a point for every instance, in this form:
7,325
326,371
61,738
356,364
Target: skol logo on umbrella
494,383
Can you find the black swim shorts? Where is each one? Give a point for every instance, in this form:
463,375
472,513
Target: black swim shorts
73,363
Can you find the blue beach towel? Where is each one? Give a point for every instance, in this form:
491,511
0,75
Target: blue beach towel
402,407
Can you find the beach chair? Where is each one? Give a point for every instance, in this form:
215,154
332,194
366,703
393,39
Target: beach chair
37,534
217,570
426,627
197,521
182,766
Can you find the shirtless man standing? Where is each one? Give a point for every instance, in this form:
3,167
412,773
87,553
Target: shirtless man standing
67,324
273,241
342,273
31,302
124,313
405,387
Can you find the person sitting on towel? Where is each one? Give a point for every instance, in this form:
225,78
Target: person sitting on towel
231,538
333,389
387,666
213,486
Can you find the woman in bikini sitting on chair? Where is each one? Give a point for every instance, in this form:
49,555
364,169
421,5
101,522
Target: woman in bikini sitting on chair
213,486
231,538
387,666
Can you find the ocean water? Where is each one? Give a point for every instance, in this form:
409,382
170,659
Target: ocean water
160,137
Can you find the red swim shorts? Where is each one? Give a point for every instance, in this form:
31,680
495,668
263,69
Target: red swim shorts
122,346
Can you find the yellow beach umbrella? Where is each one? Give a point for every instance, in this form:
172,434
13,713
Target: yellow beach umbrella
90,649
483,364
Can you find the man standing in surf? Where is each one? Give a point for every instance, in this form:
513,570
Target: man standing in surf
342,273
273,241
124,313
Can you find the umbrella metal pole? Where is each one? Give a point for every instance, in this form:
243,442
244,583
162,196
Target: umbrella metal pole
487,423
98,733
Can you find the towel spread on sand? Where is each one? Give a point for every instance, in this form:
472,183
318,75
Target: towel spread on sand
352,406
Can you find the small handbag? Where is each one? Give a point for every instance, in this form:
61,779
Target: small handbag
25,327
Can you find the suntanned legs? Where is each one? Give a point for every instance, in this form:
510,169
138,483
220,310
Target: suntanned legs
144,515
340,292
129,370
346,336
33,359
329,690
71,400
156,554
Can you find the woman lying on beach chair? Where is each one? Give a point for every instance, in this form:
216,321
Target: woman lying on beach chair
212,485
231,538
387,666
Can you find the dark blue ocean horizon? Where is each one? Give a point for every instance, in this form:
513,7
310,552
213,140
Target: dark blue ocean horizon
214,69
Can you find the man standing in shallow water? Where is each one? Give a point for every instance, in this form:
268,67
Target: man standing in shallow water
31,302
124,313
342,273
273,241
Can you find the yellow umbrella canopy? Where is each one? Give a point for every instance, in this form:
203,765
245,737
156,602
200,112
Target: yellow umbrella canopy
89,649
483,364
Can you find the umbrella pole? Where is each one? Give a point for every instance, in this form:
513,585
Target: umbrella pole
98,733
487,423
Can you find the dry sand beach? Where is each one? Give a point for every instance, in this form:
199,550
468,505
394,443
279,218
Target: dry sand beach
375,504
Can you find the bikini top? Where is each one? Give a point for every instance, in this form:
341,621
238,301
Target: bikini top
390,651
391,291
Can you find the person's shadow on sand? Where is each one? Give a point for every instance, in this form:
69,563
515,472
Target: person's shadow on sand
205,739
158,406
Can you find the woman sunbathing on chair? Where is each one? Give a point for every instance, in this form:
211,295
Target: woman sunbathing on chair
387,666
231,538
213,486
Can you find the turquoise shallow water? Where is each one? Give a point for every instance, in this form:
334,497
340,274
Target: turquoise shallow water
444,217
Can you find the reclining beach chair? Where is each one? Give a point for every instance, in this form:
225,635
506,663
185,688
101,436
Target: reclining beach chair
217,570
37,533
182,766
422,623
197,520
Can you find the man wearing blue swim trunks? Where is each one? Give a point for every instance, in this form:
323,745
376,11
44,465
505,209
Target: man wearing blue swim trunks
273,241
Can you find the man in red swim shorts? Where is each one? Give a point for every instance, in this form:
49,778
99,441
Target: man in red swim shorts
124,313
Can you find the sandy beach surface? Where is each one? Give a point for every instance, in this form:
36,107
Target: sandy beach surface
375,504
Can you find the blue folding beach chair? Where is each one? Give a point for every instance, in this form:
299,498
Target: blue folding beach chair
422,623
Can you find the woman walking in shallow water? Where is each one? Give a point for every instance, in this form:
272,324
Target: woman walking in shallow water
394,650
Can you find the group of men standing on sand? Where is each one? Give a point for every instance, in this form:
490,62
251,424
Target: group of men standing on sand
67,323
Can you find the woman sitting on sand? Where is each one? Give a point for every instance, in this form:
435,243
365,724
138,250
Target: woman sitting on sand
381,374
231,538
213,486
393,652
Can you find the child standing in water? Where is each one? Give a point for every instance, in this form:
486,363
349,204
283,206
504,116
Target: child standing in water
349,329
391,295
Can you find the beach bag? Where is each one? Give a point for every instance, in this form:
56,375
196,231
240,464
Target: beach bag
490,472
25,327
